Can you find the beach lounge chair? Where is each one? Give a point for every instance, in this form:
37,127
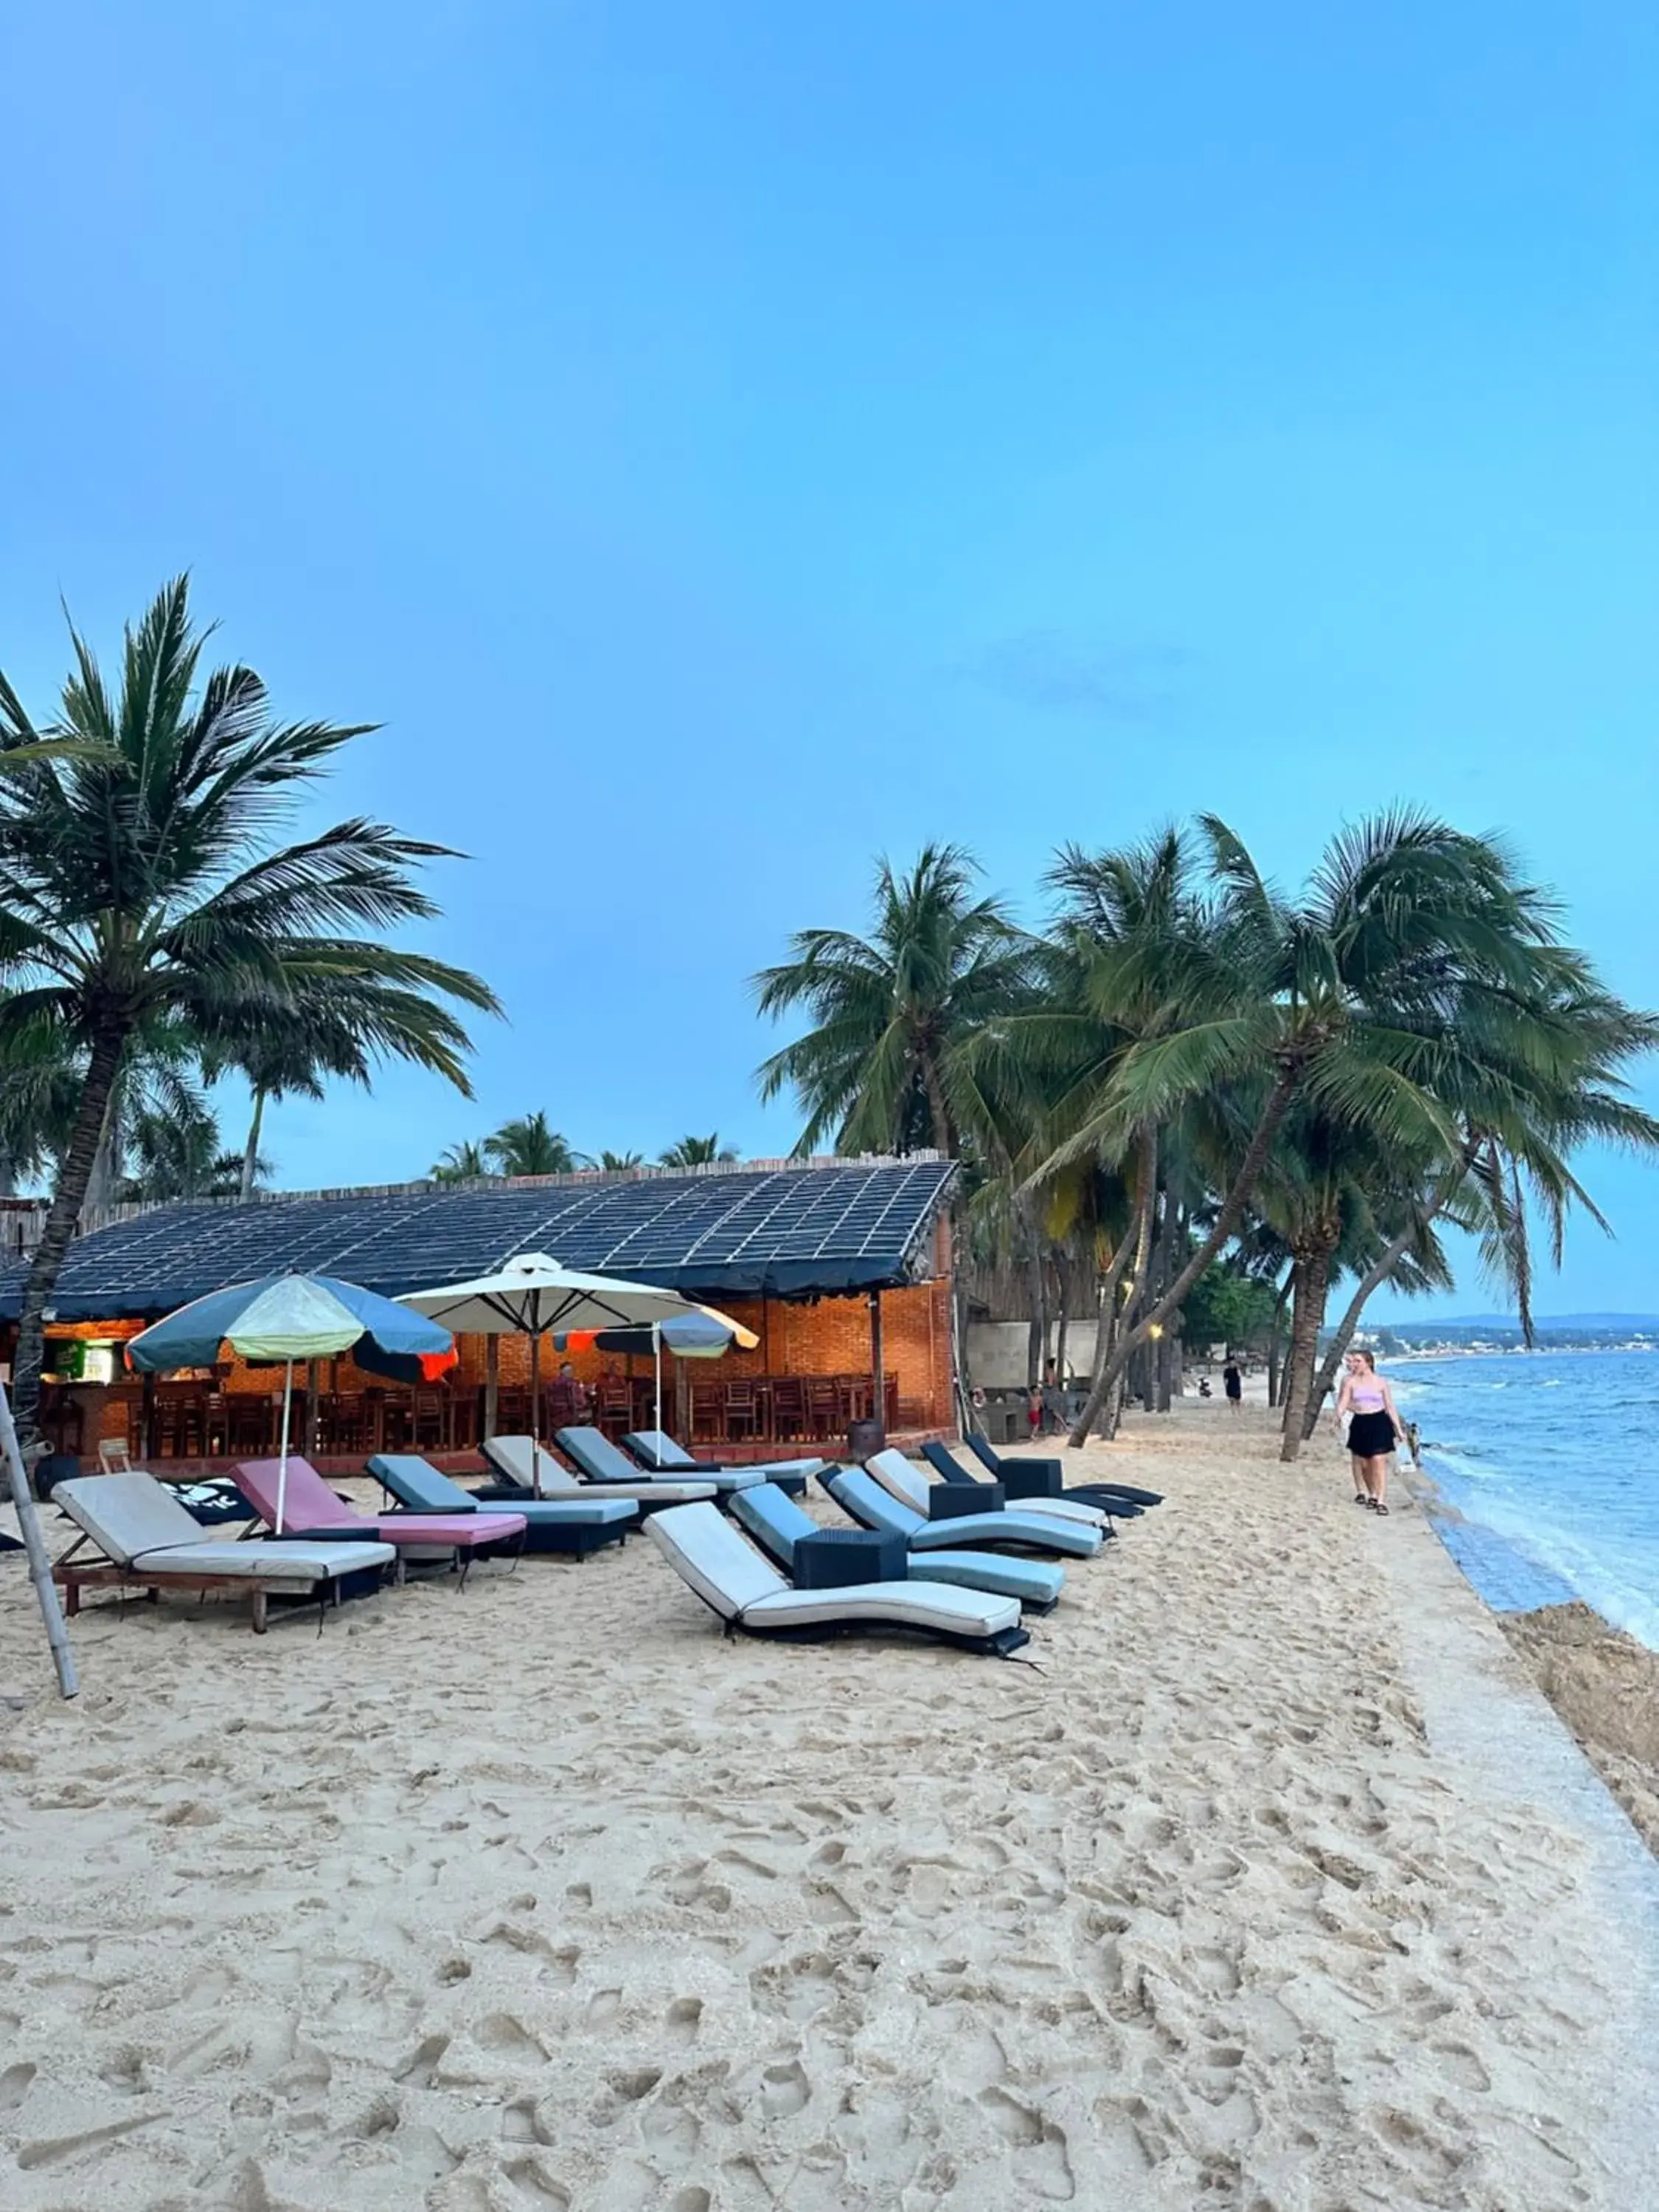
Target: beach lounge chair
908,1484
146,1541
748,1593
600,1460
573,1525
874,1506
777,1523
516,1460
658,1454
310,1509
1043,1496
999,1466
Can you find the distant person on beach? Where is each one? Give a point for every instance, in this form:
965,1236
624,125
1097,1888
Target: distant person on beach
1233,1383
1373,1432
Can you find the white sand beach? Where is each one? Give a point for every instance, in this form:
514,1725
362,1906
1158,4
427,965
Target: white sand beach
1275,1887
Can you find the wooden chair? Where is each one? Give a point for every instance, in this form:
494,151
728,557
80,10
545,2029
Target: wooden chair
740,1411
428,1421
788,1395
707,1411
825,1414
613,1405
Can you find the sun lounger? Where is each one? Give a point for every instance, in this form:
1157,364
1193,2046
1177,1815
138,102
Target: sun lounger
874,1506
997,1464
748,1593
658,1452
572,1525
911,1486
600,1460
1047,1499
147,1541
516,1460
310,1509
777,1524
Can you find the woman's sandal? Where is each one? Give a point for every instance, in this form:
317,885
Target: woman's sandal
1377,1506
1361,1498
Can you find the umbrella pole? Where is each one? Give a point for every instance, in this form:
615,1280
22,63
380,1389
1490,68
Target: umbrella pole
535,1412
35,1544
281,1461
656,1348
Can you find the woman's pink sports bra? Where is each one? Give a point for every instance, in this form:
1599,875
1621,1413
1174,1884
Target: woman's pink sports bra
1367,1398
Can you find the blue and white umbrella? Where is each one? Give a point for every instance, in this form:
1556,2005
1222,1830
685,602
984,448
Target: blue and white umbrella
290,1317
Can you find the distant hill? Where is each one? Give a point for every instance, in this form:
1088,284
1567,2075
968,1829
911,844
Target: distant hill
1421,1324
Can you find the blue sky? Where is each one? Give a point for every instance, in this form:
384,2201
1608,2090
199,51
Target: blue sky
722,441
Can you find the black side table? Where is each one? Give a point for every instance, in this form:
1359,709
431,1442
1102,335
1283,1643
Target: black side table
953,1501
1038,1479
834,1559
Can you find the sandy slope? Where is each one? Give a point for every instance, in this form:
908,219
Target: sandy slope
544,1896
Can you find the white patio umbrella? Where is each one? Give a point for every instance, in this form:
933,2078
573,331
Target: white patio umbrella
530,1294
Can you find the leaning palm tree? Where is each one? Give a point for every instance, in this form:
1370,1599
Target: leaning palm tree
531,1147
143,883
698,1153
879,1069
1351,999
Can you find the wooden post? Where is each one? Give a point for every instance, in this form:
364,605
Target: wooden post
878,1363
147,1431
492,1382
313,1409
28,1520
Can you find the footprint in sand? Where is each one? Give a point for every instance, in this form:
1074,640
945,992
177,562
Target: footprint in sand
683,2020
15,2084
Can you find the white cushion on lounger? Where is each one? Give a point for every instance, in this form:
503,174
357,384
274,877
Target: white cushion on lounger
291,1559
137,1522
894,1473
909,1605
516,1457
729,1575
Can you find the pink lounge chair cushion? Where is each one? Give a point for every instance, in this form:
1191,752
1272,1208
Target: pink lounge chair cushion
309,1503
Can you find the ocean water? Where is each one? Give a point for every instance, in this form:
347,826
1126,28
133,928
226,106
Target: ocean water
1547,1467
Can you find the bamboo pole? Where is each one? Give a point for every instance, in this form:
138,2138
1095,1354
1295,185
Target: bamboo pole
35,1544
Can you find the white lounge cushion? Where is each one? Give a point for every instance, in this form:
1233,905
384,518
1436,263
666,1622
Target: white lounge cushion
896,1474
729,1575
287,1561
127,1514
517,1458
723,1568
138,1523
909,1605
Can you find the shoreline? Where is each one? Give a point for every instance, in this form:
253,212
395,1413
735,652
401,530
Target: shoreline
1274,1882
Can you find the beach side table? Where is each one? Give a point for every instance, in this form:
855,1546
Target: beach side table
834,1559
952,1501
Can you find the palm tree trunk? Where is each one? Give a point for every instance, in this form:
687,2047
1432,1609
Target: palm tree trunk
1313,1273
1226,1221
1060,1320
250,1150
1036,1290
1373,1279
1276,1332
106,1168
74,1174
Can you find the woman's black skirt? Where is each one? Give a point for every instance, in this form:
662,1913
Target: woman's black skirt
1370,1436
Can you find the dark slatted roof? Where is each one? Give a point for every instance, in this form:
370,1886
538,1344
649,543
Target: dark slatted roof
792,1231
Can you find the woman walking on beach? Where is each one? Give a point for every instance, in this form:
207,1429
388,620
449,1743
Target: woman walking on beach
1373,1432
1233,1383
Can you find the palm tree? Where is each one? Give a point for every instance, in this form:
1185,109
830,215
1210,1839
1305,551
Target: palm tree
880,1071
176,1156
614,1162
1410,931
147,887
531,1146
698,1151
463,1162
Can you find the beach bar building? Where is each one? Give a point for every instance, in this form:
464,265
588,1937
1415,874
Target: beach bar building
841,1268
